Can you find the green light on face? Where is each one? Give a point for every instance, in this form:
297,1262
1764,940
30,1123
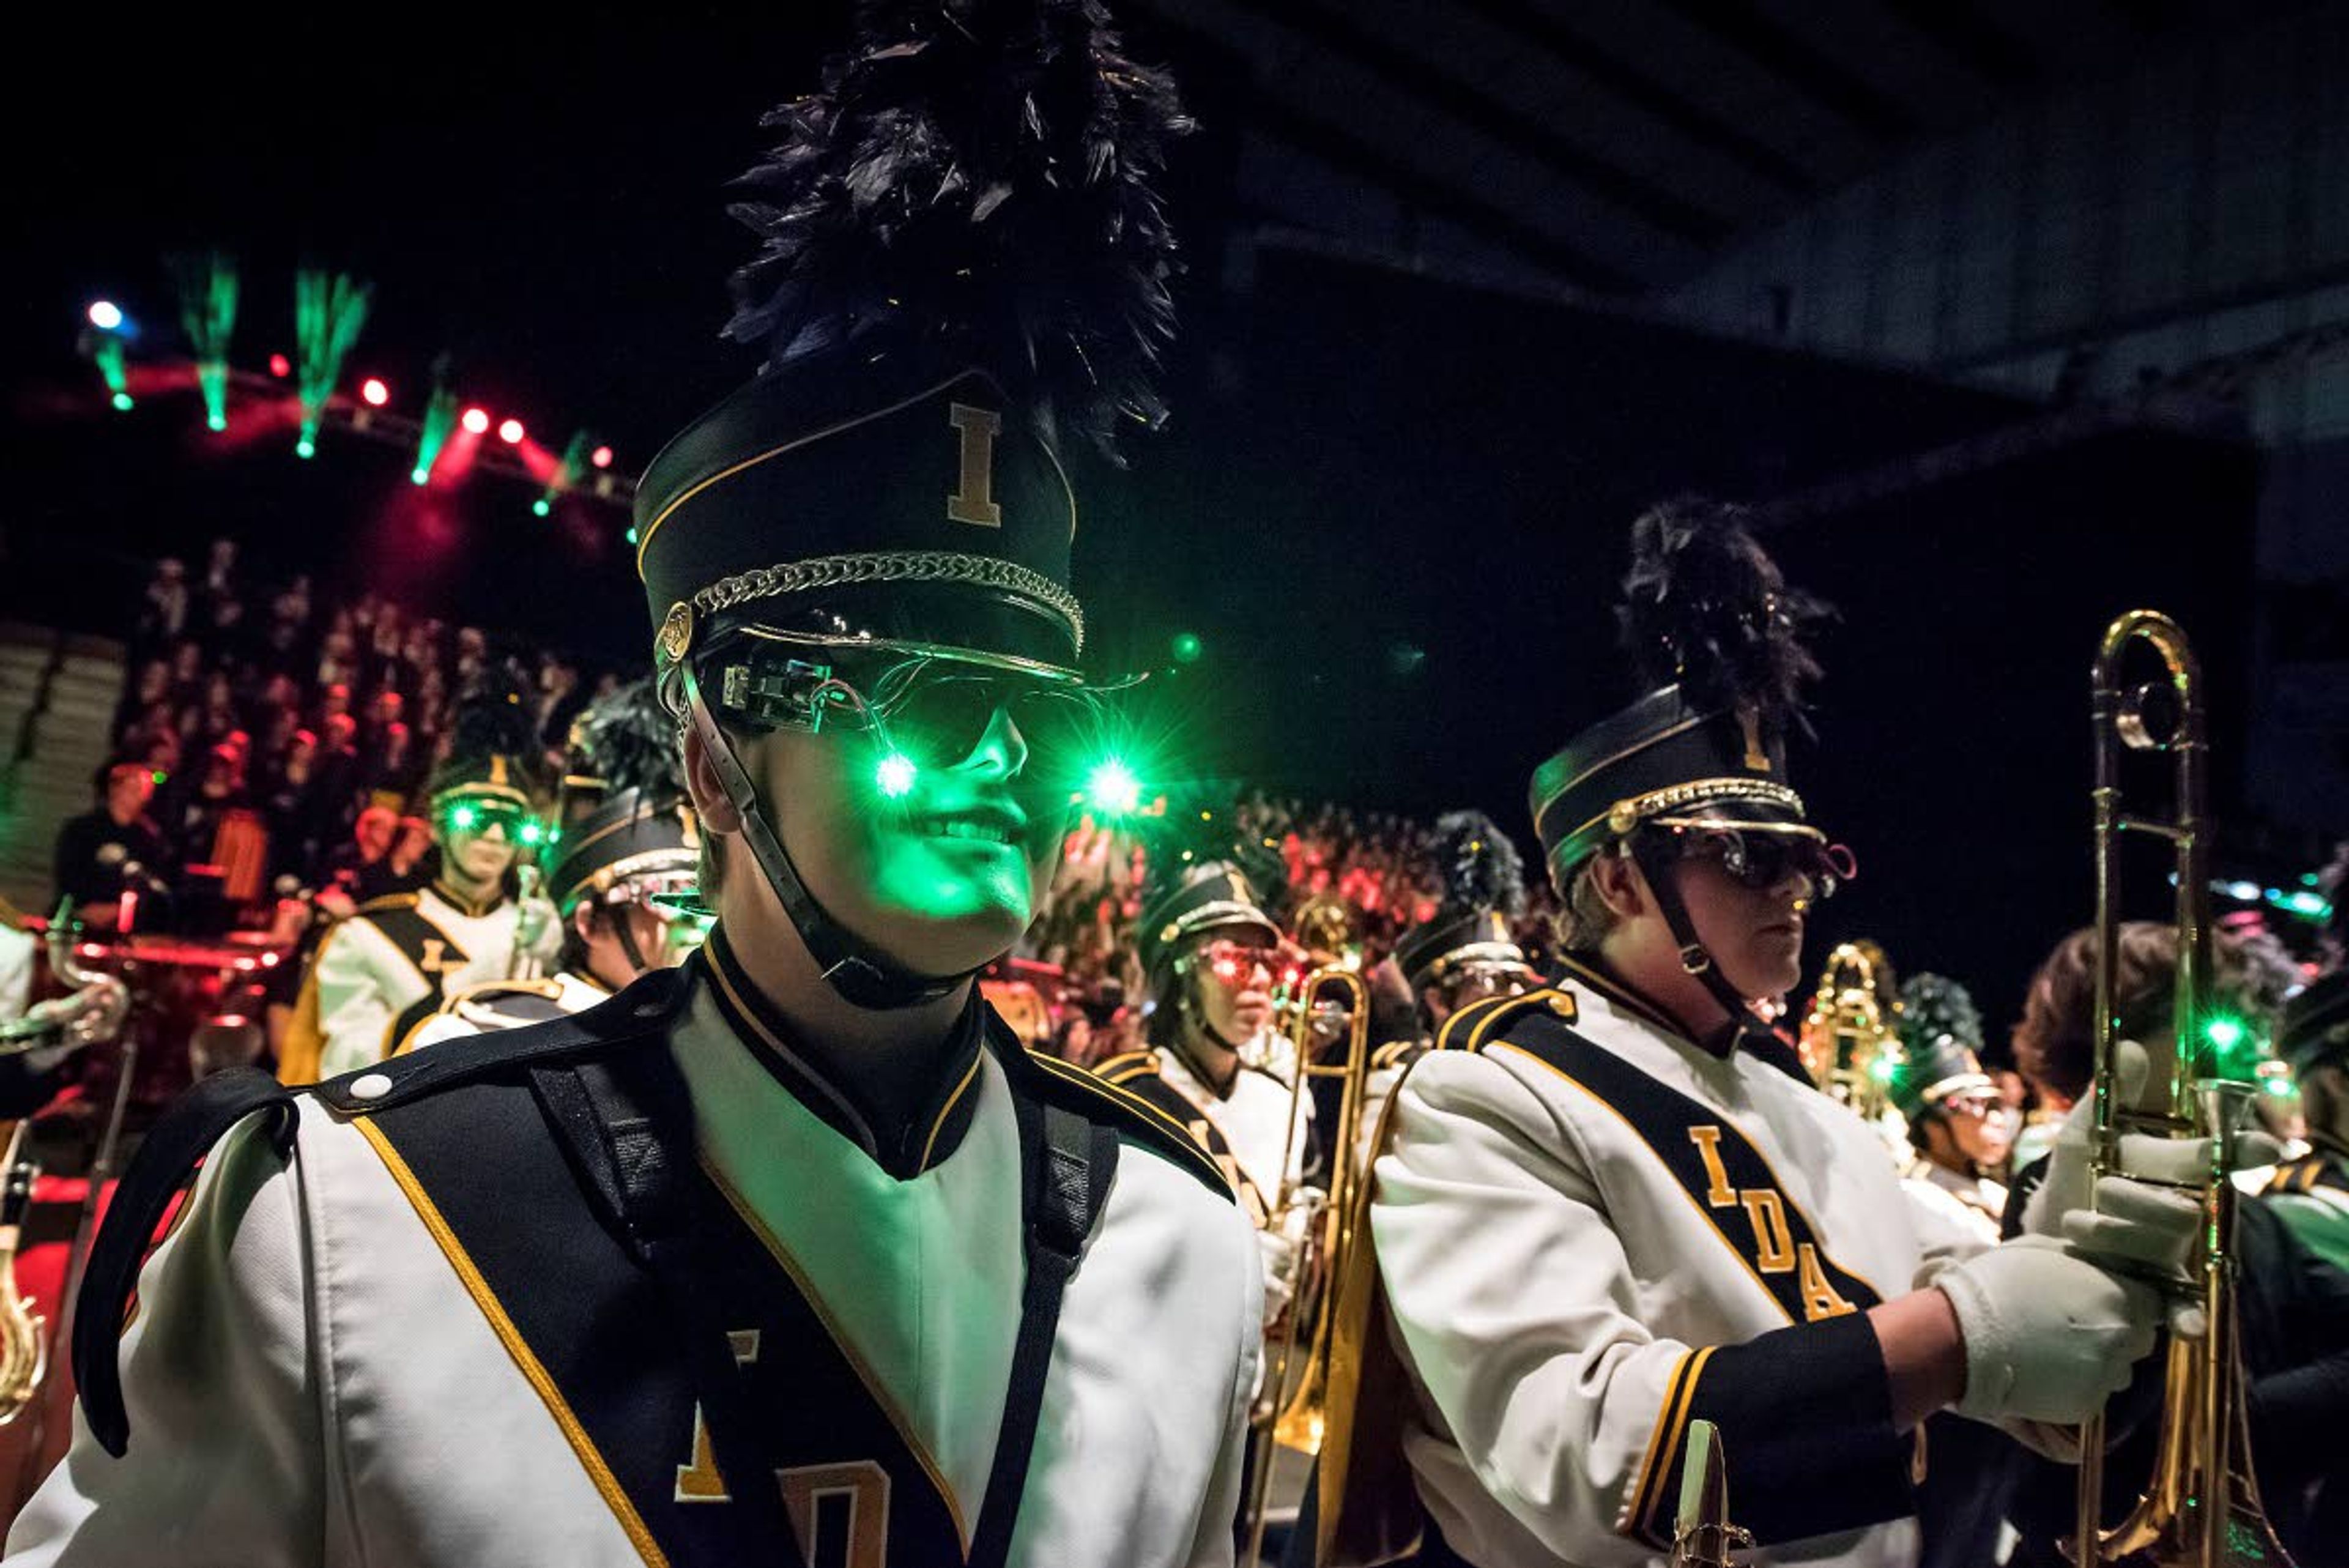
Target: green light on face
1111,788
895,775
532,833
462,818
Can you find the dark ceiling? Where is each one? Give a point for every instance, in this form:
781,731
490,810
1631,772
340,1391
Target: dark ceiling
1614,146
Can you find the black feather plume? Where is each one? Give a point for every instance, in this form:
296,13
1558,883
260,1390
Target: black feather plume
628,741
1202,825
1704,605
1932,1005
497,717
1480,867
975,176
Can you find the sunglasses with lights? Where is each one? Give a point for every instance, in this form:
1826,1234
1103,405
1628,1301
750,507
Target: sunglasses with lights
1759,859
478,817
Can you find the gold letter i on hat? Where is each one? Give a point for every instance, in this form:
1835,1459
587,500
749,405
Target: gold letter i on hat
973,500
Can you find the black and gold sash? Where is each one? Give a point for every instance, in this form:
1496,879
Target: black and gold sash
423,944
1724,1175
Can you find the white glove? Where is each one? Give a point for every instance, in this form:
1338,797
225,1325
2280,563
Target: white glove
2048,1336
1279,1254
2139,1219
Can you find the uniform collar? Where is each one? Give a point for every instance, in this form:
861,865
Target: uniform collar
1721,1044
459,903
928,1138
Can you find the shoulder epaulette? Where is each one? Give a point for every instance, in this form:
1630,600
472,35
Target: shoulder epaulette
1395,1052
1480,1023
642,1009
2305,1174
386,902
1074,1089
1126,1065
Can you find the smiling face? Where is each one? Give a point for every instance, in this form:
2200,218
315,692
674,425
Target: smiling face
942,876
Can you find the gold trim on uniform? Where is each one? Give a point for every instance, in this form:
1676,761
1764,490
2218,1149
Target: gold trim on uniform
590,1458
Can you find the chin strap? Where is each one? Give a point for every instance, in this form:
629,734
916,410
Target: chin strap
863,976
621,928
1652,851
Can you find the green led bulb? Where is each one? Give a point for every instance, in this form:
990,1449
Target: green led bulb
462,818
895,775
1111,789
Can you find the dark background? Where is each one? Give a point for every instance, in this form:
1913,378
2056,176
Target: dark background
1393,510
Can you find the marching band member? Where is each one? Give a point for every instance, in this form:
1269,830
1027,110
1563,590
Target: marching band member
1214,959
1461,954
386,968
1607,1210
628,842
1957,1122
2311,1194
788,1254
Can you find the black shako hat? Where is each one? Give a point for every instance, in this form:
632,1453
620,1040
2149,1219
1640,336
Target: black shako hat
1484,887
626,817
493,749
963,266
1940,1045
1206,873
1714,630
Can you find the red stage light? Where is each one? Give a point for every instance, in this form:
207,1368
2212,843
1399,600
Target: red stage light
476,421
280,365
509,432
376,393
602,457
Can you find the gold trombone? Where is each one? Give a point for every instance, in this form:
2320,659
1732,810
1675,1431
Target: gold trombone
1289,1413
2202,1508
1848,1041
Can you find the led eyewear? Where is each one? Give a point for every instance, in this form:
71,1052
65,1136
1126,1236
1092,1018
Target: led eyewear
1758,859
1239,966
930,711
480,816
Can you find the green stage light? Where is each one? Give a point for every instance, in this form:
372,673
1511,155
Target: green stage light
122,402
895,775
419,475
1111,789
305,447
539,508
632,534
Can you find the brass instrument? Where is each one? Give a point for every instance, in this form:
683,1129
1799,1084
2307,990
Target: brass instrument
2202,1508
91,1014
1849,1042
1702,1536
1289,1413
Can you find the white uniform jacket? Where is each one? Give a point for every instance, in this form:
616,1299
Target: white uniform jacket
496,1004
385,968
326,1368
1590,1230
1244,1131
